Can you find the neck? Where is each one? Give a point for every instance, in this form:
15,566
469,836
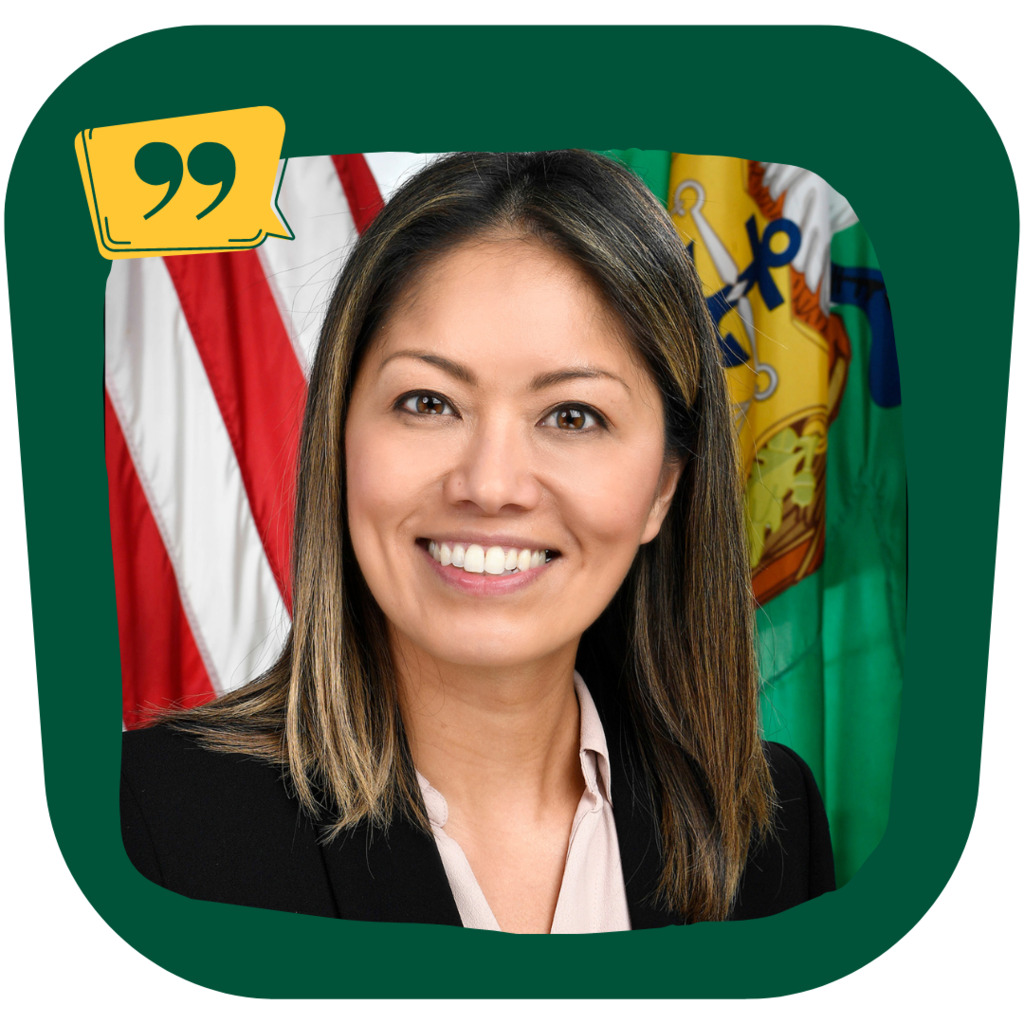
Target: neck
483,735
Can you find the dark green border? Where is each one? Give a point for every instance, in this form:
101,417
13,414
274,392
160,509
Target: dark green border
888,127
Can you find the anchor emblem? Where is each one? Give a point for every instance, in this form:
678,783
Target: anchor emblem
738,284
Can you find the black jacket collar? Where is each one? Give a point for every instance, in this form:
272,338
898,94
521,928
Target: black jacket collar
398,875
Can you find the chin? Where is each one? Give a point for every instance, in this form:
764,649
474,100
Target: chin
486,646
492,654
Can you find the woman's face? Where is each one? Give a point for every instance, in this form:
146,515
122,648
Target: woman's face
499,414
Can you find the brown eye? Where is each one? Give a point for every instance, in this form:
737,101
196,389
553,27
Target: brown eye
571,419
575,419
424,403
428,403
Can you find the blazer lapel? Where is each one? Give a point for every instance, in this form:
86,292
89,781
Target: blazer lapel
398,875
394,876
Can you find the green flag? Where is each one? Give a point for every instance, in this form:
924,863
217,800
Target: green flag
792,282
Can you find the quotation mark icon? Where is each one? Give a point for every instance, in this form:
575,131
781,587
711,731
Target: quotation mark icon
152,185
209,163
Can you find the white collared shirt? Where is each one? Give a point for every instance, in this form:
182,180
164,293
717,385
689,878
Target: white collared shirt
592,897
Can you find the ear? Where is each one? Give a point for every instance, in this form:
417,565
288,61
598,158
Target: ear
670,474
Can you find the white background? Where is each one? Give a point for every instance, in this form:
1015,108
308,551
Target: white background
963,960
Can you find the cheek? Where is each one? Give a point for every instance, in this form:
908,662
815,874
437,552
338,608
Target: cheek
611,497
377,481
387,479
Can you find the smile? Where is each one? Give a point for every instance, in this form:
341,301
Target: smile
492,561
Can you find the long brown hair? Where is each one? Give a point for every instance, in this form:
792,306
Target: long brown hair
676,645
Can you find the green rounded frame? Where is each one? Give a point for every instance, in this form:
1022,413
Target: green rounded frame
910,148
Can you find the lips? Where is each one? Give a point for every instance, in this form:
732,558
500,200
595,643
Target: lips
492,560
478,582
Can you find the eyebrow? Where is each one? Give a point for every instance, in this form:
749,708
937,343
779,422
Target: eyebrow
539,383
547,380
453,369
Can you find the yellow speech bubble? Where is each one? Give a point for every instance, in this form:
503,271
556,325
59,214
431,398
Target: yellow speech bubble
201,183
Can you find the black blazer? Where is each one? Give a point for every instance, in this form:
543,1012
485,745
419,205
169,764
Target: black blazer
223,827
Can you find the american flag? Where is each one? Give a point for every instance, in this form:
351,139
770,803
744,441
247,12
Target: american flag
206,364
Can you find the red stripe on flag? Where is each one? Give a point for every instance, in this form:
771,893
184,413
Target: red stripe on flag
257,381
364,199
160,663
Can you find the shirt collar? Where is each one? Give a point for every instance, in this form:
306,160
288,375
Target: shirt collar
593,745
434,802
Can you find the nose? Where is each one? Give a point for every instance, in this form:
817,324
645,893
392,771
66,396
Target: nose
495,469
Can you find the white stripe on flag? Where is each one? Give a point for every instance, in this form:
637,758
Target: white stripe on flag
188,469
302,273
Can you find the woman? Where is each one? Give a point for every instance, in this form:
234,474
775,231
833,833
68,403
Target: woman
520,690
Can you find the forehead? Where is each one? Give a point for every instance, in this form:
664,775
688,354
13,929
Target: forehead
511,305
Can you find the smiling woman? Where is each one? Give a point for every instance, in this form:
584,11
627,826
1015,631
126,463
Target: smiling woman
520,690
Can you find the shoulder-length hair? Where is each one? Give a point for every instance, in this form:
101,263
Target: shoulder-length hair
677,643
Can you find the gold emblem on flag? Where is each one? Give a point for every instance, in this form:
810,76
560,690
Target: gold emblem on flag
766,279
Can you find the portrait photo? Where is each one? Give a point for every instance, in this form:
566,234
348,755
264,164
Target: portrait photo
388,511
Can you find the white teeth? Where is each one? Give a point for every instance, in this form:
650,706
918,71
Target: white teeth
494,561
474,558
